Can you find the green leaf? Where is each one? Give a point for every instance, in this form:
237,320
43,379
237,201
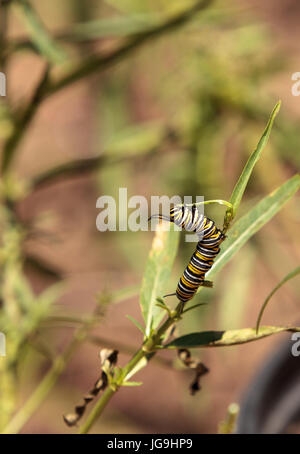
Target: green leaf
289,276
157,273
163,306
241,184
135,140
253,221
132,383
136,323
39,35
111,26
140,365
161,301
226,338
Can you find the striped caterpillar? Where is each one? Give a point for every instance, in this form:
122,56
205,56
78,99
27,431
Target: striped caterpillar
210,237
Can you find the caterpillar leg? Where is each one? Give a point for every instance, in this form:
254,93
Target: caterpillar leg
208,284
181,307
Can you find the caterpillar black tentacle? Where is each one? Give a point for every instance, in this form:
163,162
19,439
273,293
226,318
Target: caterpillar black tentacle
210,237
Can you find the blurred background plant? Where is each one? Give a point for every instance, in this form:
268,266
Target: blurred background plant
159,97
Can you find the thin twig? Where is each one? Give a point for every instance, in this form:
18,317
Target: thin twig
80,167
72,169
96,63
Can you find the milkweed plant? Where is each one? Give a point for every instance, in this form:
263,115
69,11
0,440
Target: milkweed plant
22,312
160,318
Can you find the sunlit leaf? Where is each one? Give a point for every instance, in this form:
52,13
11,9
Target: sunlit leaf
226,338
157,273
136,323
132,383
241,184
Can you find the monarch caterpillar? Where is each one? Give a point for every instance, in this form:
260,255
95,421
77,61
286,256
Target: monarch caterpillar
210,237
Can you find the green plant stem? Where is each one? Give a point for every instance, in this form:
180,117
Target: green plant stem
148,350
43,389
82,166
207,202
79,167
20,419
108,394
88,31
22,121
97,410
94,63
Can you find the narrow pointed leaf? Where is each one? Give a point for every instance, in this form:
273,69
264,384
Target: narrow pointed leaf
226,338
241,184
140,365
136,323
111,26
253,221
132,383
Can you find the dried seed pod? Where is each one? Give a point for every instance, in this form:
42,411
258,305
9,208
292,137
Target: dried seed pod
200,369
108,361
